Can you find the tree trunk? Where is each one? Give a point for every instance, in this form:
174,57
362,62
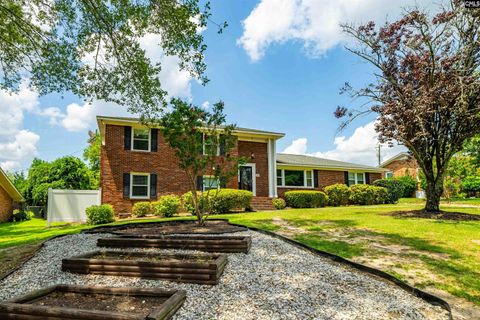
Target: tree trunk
434,192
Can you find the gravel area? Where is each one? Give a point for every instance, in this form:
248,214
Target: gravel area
274,281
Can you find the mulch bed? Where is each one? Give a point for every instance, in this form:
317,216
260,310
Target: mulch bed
174,227
442,215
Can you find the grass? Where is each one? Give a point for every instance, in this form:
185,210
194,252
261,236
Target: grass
443,254
453,201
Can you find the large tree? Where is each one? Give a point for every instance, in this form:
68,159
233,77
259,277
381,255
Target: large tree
92,47
427,89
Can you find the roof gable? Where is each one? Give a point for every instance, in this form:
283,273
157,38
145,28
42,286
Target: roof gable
8,186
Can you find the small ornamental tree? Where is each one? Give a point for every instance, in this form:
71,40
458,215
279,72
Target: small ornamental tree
427,88
203,144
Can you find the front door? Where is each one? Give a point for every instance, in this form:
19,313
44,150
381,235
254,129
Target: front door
246,178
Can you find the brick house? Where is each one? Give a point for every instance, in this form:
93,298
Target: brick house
137,165
402,164
9,197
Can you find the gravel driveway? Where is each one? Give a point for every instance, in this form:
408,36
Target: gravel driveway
274,281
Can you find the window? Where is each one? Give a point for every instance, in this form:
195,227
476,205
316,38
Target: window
295,178
140,185
210,183
279,178
356,178
389,175
209,143
141,139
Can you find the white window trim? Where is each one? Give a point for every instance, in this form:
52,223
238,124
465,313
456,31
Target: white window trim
203,144
304,180
131,185
203,184
149,140
356,179
389,173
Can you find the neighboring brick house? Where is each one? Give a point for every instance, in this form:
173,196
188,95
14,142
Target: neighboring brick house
403,164
9,197
137,165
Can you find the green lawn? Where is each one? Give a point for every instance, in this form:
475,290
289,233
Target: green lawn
470,201
423,252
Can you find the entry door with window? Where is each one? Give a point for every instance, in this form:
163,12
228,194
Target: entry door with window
246,178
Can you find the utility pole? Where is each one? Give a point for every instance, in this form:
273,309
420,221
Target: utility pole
379,153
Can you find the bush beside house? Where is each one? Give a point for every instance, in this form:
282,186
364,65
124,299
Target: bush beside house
166,206
221,201
306,199
338,194
100,214
395,189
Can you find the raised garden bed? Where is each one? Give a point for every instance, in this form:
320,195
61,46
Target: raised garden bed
192,268
102,303
171,227
197,242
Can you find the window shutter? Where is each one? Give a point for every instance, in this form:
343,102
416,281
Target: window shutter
127,138
315,178
199,142
345,174
153,186
126,185
367,177
199,183
154,140
222,144
223,182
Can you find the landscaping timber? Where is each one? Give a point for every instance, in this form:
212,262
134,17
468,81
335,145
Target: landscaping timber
197,242
191,268
94,303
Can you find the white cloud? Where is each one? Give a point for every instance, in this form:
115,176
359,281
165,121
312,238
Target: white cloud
298,146
205,105
16,144
315,23
360,147
22,147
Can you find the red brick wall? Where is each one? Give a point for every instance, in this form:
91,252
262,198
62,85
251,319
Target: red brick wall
260,152
115,161
6,205
327,178
402,168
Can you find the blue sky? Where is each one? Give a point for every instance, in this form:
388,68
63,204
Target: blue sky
278,66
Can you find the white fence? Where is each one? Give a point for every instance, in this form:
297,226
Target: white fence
70,205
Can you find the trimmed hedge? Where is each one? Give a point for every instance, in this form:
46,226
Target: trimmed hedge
409,186
100,214
363,194
221,201
306,199
394,187
166,206
142,209
279,203
338,194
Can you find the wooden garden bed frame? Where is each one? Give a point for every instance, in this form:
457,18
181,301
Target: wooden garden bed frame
22,308
224,243
173,267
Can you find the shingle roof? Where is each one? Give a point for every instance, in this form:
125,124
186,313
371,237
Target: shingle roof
302,160
237,129
8,186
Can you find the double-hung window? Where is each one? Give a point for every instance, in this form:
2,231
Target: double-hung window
389,175
141,139
295,178
356,178
210,183
211,145
140,185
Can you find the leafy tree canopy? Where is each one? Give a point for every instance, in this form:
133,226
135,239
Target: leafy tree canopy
427,89
92,47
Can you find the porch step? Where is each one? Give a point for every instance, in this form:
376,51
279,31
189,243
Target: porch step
262,204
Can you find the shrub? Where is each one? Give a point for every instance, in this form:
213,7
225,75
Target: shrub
142,209
226,200
187,200
338,194
306,199
394,188
100,214
471,185
409,186
381,195
363,194
279,203
166,206
21,215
